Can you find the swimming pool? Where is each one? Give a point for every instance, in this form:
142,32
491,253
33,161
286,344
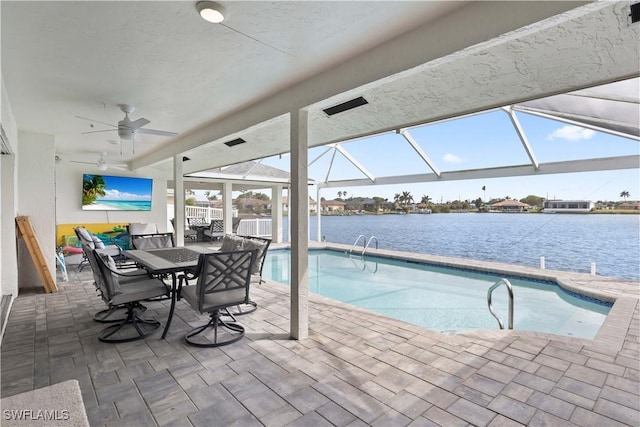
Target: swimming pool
440,298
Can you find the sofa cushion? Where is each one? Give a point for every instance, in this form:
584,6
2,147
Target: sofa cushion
250,244
231,243
97,243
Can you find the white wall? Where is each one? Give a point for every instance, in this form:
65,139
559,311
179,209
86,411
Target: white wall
36,199
68,191
8,257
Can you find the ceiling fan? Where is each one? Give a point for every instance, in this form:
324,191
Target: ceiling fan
102,164
127,128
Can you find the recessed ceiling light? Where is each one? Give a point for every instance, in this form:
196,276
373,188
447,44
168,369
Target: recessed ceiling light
210,11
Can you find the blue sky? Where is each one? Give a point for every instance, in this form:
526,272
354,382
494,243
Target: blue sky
126,188
482,141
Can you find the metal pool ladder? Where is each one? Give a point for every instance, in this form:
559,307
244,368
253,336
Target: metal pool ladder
369,242
364,241
493,313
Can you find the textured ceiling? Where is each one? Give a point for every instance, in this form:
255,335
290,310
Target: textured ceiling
62,59
414,61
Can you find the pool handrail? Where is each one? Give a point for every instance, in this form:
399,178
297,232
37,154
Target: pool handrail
364,242
368,243
505,282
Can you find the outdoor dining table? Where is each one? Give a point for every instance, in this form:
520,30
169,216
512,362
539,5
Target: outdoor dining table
170,261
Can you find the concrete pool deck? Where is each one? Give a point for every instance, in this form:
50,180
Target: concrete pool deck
356,368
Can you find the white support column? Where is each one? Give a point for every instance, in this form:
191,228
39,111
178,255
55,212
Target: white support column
289,213
318,215
178,200
227,206
276,214
299,231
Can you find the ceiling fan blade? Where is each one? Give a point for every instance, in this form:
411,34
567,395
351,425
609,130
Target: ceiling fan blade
120,167
98,131
97,121
137,124
156,132
84,163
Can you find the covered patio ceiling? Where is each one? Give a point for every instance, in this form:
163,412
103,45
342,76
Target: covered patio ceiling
484,77
413,62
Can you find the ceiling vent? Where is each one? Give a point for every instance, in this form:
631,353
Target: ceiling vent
348,105
235,142
635,13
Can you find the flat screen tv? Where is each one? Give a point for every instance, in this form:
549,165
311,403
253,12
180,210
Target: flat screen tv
116,193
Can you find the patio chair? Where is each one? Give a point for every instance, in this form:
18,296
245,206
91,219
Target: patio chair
152,241
138,228
91,240
261,245
235,224
223,280
126,276
196,221
216,229
134,326
188,233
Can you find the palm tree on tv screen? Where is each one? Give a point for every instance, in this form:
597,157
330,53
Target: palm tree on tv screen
93,186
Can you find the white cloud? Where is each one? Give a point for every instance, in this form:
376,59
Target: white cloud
451,158
118,195
571,133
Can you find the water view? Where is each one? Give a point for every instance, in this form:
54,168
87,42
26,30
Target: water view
568,242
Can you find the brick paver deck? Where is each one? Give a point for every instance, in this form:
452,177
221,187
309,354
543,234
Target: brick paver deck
356,368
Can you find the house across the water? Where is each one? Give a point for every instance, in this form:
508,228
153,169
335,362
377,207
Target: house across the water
510,206
567,206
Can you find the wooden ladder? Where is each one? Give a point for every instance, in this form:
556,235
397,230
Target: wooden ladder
26,230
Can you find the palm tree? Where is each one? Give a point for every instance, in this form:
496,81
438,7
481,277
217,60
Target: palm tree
425,200
407,197
624,194
396,198
484,192
92,188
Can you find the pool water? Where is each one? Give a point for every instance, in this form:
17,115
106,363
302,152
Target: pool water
439,298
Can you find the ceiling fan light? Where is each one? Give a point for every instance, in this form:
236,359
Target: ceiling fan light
210,11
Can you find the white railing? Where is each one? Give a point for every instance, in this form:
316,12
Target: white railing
203,212
259,227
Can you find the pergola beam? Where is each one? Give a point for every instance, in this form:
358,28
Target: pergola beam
409,138
355,163
523,137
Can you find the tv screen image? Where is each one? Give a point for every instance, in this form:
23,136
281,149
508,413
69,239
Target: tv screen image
116,193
